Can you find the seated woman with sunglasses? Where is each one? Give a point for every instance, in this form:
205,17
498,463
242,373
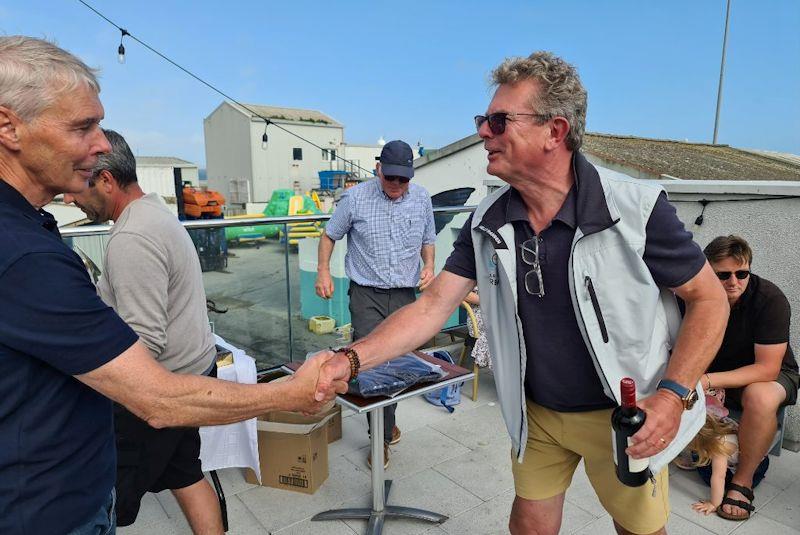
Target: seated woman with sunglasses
755,364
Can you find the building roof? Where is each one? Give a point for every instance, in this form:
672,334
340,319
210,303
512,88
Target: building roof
668,158
685,160
162,161
292,115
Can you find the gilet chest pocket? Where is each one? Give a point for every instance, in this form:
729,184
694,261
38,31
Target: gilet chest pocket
596,306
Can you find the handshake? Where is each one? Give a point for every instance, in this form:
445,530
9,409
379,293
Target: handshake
317,381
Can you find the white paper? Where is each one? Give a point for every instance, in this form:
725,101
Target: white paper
232,445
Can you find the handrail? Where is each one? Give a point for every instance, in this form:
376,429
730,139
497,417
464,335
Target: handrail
98,230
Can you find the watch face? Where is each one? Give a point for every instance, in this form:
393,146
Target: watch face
691,399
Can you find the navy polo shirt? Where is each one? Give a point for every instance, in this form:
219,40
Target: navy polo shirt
560,373
57,457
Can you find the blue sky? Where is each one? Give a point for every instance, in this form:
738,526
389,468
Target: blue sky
419,70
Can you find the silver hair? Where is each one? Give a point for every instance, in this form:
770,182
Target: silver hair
561,93
34,72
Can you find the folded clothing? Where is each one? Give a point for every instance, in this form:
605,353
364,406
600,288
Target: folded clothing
394,376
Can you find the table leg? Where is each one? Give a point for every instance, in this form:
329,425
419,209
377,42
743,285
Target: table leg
380,511
379,494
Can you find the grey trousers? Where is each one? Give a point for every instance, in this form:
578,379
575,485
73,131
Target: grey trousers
368,307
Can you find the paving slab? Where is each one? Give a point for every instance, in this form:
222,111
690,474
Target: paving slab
478,427
784,508
484,471
763,525
425,490
276,509
418,450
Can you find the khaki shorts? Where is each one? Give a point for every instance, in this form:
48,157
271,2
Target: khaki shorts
556,443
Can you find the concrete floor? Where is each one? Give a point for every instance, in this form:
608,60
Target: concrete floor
459,465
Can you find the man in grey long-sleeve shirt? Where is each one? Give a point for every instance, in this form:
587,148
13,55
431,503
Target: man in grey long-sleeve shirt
152,279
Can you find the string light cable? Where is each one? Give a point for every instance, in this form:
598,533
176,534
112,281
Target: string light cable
705,202
267,121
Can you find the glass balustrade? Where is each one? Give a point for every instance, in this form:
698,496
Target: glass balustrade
259,277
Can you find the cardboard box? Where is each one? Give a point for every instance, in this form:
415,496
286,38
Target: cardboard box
334,424
293,451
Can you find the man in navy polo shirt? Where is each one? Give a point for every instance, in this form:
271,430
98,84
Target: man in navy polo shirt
577,276
63,352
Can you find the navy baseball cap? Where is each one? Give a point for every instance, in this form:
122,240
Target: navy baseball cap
397,159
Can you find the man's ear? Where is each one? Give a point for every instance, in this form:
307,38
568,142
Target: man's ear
106,181
10,124
559,128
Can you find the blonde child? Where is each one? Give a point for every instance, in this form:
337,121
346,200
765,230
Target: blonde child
717,445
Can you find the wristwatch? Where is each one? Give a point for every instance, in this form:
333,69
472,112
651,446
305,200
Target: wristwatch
688,396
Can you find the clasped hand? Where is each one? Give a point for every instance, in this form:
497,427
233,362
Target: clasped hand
315,382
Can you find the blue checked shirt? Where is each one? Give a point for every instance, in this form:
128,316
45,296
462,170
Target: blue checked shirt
384,236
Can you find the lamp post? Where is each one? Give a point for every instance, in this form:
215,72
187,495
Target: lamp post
721,72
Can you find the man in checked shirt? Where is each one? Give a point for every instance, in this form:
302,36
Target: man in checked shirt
389,224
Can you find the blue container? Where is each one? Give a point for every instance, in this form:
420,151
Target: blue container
338,307
330,180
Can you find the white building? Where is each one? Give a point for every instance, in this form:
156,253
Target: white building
154,174
244,169
360,159
157,174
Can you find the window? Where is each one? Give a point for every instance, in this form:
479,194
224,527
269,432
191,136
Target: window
333,154
328,155
297,153
325,155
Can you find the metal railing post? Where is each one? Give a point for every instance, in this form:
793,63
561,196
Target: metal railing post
288,290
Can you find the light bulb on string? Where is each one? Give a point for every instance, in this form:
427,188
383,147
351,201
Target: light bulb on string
264,137
121,48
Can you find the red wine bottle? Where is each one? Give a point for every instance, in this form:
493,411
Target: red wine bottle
626,420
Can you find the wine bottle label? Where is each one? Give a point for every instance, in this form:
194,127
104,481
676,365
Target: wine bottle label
634,465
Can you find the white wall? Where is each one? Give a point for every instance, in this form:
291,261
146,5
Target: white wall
274,168
65,214
161,179
465,168
362,155
770,226
228,148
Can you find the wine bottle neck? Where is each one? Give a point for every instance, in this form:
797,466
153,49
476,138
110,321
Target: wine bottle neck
628,393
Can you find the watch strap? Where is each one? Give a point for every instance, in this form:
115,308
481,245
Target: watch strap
681,391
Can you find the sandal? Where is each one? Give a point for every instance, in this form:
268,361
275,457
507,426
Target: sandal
747,493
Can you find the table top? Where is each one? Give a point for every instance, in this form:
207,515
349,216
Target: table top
359,404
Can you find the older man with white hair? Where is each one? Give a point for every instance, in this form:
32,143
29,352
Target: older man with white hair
63,352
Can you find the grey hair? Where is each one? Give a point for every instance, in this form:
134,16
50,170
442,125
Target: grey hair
120,162
561,93
34,72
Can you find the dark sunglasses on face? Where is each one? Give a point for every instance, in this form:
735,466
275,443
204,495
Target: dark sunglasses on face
401,179
741,274
497,121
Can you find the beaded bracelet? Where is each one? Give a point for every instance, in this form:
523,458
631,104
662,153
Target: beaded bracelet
352,357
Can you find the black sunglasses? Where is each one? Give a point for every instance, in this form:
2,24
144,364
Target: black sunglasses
498,120
401,179
741,274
